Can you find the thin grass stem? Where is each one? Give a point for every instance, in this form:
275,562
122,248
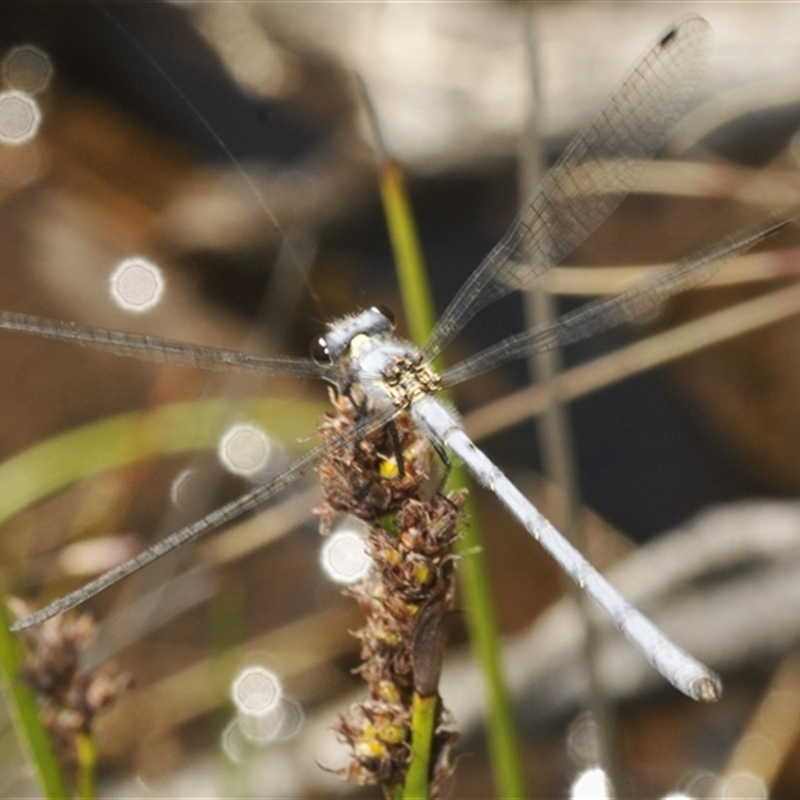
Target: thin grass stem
24,709
505,751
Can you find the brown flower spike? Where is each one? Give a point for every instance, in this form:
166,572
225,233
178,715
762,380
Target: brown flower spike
69,697
384,480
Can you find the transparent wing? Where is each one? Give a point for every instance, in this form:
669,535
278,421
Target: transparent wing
152,348
591,178
605,313
214,519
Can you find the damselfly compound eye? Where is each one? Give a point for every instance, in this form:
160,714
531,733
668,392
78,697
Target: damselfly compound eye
344,556
244,450
20,117
136,285
27,68
256,691
385,311
319,351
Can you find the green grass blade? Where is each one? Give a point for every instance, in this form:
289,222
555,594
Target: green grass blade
415,290
505,751
125,439
24,709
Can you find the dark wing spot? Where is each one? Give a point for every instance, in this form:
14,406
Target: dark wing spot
668,37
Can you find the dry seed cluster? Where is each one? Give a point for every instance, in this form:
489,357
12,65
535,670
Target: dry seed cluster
69,697
406,595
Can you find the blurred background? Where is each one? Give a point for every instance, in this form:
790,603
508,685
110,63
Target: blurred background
225,142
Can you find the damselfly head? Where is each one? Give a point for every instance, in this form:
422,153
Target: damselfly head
374,321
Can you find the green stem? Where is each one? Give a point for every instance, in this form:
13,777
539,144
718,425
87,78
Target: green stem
423,726
504,748
409,261
24,709
87,764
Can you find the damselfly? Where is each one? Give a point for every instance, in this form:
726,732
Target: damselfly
583,188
